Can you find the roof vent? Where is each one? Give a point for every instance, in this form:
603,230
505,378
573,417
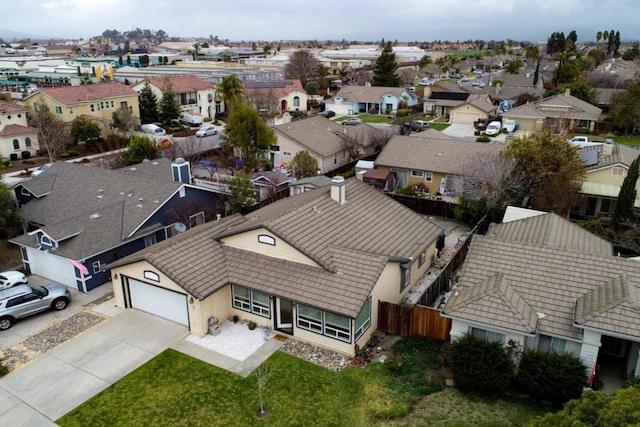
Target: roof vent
338,190
95,216
180,227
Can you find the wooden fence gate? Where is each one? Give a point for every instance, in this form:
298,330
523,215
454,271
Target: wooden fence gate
418,320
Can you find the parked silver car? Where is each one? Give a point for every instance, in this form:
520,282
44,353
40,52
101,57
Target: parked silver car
24,300
353,121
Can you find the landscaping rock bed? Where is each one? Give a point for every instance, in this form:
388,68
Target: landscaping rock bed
316,355
35,345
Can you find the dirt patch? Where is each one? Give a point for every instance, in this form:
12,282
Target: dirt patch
10,257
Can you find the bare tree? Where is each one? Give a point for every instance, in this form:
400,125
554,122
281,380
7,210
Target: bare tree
53,134
263,375
302,65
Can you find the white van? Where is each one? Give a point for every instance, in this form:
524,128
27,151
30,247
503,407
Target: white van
191,119
153,129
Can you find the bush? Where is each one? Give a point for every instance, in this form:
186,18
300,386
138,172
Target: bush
403,112
479,366
550,376
5,163
4,370
483,138
406,191
470,211
207,119
632,382
69,153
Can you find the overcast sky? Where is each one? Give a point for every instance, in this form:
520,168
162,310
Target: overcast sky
404,20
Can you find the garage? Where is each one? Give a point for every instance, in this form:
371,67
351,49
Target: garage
461,117
51,266
159,301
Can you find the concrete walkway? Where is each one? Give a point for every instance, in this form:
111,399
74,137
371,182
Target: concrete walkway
62,379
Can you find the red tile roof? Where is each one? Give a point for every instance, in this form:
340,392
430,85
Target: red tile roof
181,84
10,107
73,95
10,130
276,91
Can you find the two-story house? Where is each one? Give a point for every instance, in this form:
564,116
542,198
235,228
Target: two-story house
271,96
17,139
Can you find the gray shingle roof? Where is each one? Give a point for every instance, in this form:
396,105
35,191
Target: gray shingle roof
620,154
324,137
561,106
431,154
371,94
351,242
549,279
552,231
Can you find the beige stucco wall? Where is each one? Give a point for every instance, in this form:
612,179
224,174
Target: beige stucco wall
525,125
466,109
290,105
249,241
334,161
605,176
294,148
433,185
6,142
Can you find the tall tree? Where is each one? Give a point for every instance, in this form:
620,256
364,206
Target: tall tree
624,213
148,103
598,38
304,165
302,65
424,61
243,193
123,120
384,73
10,222
550,169
232,91
249,135
53,134
169,108
84,129
625,109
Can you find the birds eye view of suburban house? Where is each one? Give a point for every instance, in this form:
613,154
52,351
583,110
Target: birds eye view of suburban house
325,200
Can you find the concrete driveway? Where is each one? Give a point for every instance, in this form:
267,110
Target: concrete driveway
62,379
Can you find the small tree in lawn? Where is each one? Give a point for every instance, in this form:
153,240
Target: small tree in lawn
384,73
243,193
169,107
83,129
304,165
148,103
624,213
140,148
263,375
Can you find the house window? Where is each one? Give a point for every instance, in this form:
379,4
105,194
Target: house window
196,219
344,154
417,174
252,301
489,336
324,322
607,206
428,176
583,123
309,318
617,171
296,101
111,104
46,241
70,110
16,144
93,108
27,142
124,105
406,276
58,109
337,326
547,343
97,267
267,240
363,320
335,158
181,192
423,258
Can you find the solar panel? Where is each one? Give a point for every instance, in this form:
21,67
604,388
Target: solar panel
266,85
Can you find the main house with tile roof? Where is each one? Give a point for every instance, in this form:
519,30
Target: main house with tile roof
435,163
555,113
17,139
366,99
276,96
446,99
80,218
194,94
547,284
97,102
313,266
331,144
607,166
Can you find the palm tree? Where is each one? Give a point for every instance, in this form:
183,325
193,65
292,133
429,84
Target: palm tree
605,35
598,38
443,63
232,91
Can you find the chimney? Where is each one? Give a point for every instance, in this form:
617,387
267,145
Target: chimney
181,171
607,148
567,92
338,189
498,88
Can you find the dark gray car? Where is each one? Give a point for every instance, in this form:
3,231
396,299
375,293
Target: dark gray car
25,300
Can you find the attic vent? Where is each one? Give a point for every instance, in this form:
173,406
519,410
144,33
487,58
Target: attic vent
133,169
95,216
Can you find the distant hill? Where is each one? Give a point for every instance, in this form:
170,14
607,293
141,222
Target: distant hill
9,36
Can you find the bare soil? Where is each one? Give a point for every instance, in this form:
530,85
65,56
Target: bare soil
9,255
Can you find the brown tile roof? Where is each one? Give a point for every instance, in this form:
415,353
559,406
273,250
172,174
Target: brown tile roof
10,130
325,137
181,84
276,91
431,154
551,230
549,279
74,95
338,237
10,107
517,80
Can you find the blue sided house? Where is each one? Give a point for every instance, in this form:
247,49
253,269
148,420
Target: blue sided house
79,218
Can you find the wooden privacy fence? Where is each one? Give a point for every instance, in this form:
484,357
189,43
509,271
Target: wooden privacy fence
418,320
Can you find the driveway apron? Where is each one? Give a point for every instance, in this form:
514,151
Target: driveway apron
44,390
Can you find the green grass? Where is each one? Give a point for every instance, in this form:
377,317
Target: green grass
439,126
630,140
367,118
176,389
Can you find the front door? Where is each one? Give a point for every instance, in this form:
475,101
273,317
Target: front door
284,315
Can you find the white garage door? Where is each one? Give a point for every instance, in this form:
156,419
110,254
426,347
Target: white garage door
159,301
52,267
465,118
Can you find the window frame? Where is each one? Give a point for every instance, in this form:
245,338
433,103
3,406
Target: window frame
251,303
321,326
366,324
417,173
96,266
555,344
405,276
198,218
489,336
16,144
428,176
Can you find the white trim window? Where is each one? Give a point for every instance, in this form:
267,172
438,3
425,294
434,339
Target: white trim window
547,344
363,320
196,219
252,301
97,267
322,322
405,271
416,173
489,336
428,176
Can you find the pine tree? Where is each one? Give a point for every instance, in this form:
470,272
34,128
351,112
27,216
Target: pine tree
169,108
148,103
624,214
384,73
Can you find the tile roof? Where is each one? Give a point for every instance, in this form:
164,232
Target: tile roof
370,93
74,95
553,231
561,106
277,91
7,107
517,80
13,129
605,95
181,84
432,154
620,155
549,279
338,237
70,193
325,137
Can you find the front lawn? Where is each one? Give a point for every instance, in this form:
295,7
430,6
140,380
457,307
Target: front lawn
367,118
176,389
439,126
631,140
